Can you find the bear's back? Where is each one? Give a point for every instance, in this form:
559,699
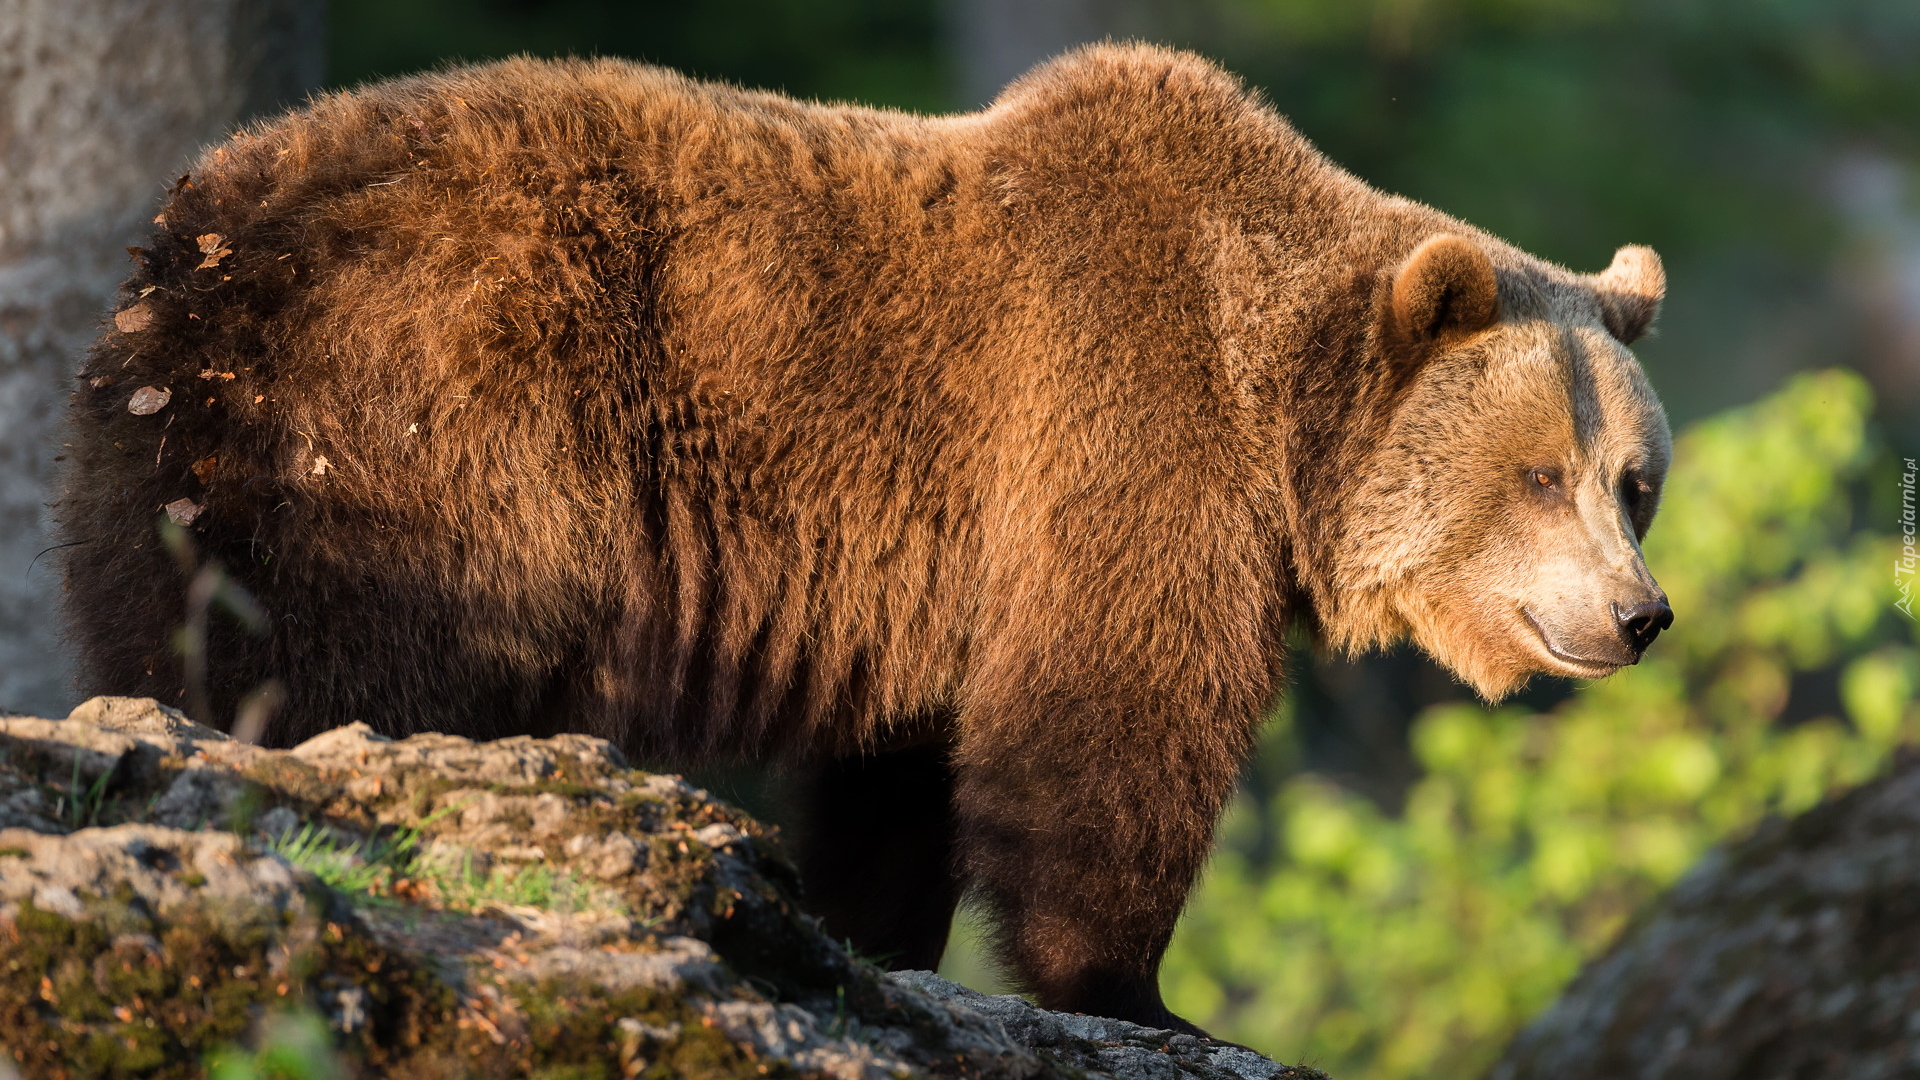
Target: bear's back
463,372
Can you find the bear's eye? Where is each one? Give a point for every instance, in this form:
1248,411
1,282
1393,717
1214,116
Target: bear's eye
1543,480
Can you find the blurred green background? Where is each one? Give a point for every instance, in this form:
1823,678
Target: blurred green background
1408,876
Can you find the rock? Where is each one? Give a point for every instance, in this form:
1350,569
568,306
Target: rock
1794,953
445,907
1097,1046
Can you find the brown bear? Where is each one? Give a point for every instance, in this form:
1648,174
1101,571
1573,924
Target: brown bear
976,466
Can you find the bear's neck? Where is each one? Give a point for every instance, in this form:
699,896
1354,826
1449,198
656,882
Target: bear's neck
1302,303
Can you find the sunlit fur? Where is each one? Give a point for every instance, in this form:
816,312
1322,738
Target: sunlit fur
983,458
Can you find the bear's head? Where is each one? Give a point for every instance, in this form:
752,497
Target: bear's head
1500,517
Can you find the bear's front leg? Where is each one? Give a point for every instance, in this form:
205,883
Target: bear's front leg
1083,825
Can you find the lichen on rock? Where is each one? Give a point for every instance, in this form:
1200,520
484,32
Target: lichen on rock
450,908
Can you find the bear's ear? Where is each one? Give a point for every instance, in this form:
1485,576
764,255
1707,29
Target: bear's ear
1445,290
1630,292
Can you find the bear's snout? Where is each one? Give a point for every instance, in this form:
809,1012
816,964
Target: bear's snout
1641,623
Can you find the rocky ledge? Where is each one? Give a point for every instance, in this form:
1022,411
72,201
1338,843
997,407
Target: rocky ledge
436,907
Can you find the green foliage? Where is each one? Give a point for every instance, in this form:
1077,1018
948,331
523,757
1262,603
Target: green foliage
83,807
360,867
1379,948
464,887
294,1045
396,864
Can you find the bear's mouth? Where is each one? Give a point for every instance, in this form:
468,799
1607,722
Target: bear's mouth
1584,667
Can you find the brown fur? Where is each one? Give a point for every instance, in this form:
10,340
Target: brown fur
981,460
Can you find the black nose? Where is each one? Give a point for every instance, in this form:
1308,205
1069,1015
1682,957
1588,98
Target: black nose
1642,622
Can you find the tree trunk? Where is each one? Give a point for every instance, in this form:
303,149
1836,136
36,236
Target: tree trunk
1795,953
101,103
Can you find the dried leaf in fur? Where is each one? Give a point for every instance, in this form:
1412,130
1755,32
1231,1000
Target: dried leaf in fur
149,400
210,247
183,511
203,469
134,319
321,465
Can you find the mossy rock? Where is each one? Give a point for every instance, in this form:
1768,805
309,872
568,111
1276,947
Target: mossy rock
436,907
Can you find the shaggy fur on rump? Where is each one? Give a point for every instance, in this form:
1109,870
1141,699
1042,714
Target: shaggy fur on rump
976,463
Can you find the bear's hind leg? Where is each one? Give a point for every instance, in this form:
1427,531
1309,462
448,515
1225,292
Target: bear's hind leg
876,853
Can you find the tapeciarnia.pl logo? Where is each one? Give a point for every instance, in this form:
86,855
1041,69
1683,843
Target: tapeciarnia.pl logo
1903,567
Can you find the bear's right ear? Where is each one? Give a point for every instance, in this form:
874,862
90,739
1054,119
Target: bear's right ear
1445,290
1630,292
